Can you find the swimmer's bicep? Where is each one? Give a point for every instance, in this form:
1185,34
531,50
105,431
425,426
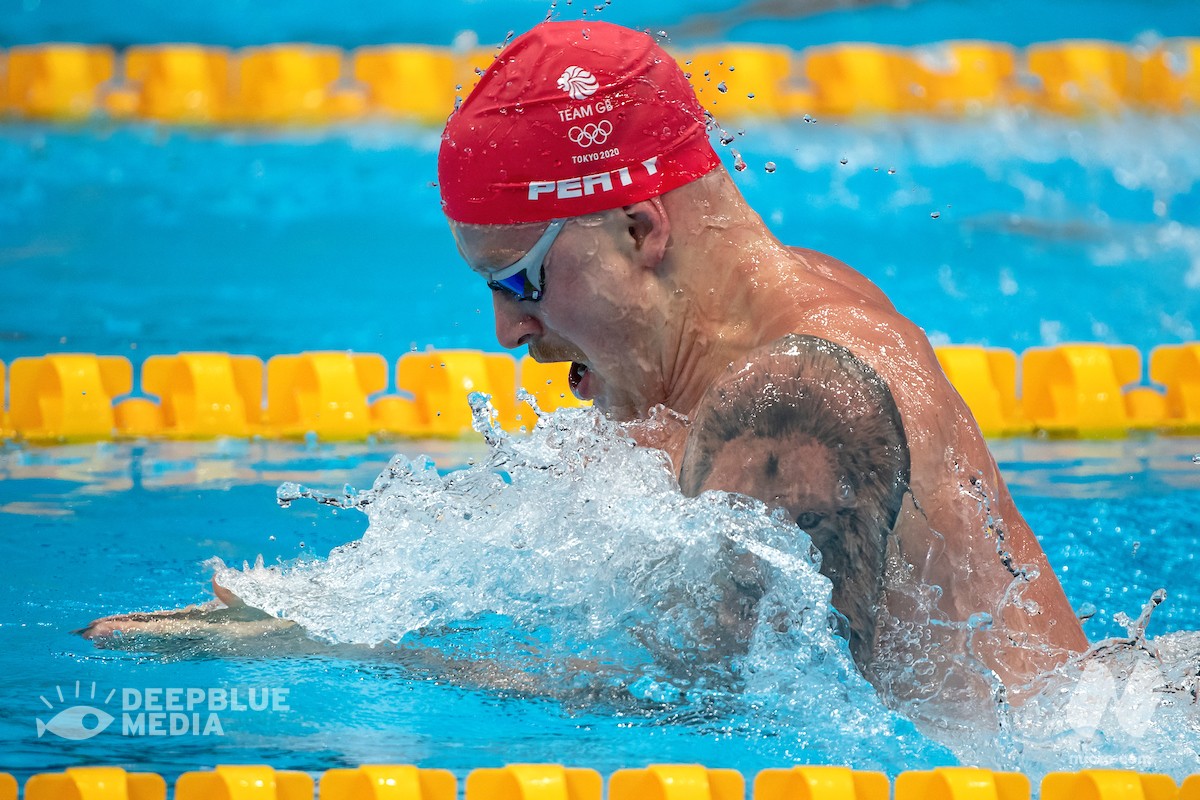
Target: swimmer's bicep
807,426
796,387
729,409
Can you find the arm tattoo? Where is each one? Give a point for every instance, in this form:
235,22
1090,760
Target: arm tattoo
808,426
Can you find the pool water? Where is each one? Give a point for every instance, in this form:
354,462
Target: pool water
99,529
135,240
361,22
166,240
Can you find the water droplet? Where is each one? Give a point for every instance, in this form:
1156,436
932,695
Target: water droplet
706,73
1196,459
844,161
891,171
935,215
726,139
687,63
722,88
458,88
479,71
687,75
302,544
980,621
270,538
769,166
809,119
586,33
738,163
750,95
1086,612
731,69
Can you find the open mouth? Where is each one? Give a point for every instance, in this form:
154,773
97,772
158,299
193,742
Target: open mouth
576,375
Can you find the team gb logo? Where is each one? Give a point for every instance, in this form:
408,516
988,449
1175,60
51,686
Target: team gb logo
578,82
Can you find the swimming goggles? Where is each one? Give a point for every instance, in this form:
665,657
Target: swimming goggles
523,279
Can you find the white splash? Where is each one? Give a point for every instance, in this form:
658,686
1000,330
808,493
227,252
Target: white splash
571,555
570,558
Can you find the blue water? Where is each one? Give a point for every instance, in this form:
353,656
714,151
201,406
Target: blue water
799,24
161,240
108,528
134,240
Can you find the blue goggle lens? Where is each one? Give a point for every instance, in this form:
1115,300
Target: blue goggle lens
523,278
519,285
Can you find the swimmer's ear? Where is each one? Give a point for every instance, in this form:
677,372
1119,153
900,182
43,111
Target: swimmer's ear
650,229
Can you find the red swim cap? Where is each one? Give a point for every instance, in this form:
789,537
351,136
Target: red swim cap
572,118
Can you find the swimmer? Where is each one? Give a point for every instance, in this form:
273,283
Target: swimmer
579,181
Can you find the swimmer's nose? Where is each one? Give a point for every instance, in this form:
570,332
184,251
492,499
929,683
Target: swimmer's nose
515,326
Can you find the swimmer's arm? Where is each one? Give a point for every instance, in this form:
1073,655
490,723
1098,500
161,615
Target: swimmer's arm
960,513
217,625
805,425
227,626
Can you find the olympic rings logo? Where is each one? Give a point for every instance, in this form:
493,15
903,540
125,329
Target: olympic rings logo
591,133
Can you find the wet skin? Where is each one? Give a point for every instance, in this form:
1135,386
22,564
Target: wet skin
666,301
674,300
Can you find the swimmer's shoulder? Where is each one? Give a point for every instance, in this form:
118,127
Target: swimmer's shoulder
855,285
792,381
804,425
856,314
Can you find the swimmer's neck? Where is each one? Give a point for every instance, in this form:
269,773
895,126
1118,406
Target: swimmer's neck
731,294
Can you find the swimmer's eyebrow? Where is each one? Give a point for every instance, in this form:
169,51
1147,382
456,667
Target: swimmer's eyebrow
493,261
495,250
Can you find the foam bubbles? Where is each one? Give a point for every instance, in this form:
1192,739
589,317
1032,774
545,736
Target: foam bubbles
571,558
568,563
